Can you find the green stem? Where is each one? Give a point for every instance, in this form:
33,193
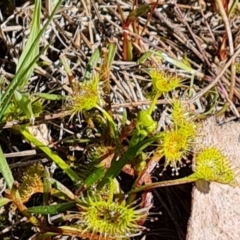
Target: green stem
115,131
147,187
117,166
154,102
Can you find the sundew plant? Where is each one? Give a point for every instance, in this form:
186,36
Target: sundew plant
79,191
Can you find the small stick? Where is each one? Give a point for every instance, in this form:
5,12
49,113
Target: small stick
231,48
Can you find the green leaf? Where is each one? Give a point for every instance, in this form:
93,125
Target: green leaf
46,235
111,54
5,170
24,67
114,129
116,166
179,64
138,12
27,54
52,209
4,201
46,187
129,49
54,156
7,96
56,184
24,102
144,57
52,97
92,63
94,177
176,63
233,7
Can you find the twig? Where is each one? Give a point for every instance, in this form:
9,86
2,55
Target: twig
208,27
62,114
231,47
21,154
177,34
179,12
21,164
201,93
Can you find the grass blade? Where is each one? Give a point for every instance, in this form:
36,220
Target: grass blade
117,166
4,201
5,170
92,63
27,54
7,96
23,66
59,161
56,184
52,209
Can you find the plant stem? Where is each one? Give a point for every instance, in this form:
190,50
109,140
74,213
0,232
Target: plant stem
168,183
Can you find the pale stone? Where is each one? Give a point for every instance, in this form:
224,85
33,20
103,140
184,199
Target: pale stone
216,214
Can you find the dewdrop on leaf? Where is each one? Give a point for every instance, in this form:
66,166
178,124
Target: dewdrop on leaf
179,141
110,219
212,165
87,96
31,183
180,113
164,82
175,146
182,116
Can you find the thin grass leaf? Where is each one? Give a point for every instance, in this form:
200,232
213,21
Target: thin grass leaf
114,129
112,48
23,99
25,104
144,57
56,184
24,63
107,63
30,55
92,63
47,186
73,82
4,201
116,166
108,58
50,4
179,64
138,12
52,209
59,161
23,67
94,177
173,61
7,96
46,235
233,7
52,97
5,170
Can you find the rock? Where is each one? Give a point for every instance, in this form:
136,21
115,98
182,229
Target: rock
216,215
